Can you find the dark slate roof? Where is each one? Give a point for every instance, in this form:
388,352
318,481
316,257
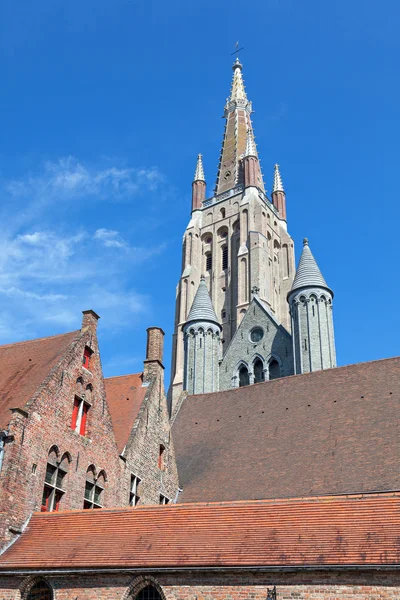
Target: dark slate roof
327,432
323,532
202,308
24,366
308,273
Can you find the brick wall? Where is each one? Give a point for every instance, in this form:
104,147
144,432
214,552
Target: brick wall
333,585
150,431
47,423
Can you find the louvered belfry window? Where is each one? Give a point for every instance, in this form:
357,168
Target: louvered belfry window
224,258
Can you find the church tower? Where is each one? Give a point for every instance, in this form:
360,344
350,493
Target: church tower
310,302
237,237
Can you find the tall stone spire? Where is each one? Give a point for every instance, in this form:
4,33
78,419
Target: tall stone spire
198,185
238,123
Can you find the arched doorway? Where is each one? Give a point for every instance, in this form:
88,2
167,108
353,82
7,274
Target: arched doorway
258,370
40,591
274,369
148,593
243,376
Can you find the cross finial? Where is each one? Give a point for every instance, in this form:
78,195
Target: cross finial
237,50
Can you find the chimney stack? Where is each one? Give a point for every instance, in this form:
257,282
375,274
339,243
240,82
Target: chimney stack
154,352
89,321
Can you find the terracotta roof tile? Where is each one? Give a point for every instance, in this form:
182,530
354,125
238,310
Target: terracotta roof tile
125,395
328,432
24,366
328,531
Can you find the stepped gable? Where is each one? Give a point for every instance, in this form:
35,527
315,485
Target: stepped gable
23,368
341,532
328,432
125,395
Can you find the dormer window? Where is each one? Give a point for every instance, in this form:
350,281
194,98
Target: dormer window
87,353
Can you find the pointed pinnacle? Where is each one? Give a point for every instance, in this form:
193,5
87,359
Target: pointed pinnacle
277,185
251,149
237,91
199,173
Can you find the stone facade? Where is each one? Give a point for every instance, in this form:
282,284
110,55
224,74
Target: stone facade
220,585
243,353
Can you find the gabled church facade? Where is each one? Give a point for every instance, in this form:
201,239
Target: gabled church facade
243,313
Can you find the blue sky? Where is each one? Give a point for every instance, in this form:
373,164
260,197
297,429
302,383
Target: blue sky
104,107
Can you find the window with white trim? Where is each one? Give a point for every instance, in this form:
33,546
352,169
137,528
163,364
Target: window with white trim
134,491
164,499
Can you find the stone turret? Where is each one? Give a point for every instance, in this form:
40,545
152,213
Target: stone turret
201,344
310,301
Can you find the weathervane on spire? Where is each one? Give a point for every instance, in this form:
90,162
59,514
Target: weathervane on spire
237,50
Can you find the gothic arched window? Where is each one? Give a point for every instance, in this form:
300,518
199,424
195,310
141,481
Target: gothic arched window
148,593
54,482
243,376
274,369
258,370
40,591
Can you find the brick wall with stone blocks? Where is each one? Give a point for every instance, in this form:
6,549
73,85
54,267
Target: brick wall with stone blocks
306,585
46,423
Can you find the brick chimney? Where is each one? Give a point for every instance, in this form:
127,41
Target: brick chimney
154,352
89,321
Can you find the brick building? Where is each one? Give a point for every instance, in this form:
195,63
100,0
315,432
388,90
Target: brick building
281,473
73,440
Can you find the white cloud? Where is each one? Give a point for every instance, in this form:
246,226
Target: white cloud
110,238
51,268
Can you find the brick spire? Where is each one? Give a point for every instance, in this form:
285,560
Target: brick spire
238,123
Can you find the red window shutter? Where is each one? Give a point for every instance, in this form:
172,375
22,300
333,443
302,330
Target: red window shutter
75,413
57,502
84,418
45,500
86,357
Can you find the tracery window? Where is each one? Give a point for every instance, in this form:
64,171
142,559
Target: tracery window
94,489
54,489
243,376
258,371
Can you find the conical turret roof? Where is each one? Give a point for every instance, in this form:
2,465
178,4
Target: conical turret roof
202,308
308,273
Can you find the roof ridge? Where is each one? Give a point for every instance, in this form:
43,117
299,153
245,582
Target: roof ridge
48,337
126,375
361,496
290,377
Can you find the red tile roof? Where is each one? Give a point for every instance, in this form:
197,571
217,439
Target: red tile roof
125,395
24,366
328,432
282,533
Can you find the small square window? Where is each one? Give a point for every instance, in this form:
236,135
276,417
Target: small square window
164,499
